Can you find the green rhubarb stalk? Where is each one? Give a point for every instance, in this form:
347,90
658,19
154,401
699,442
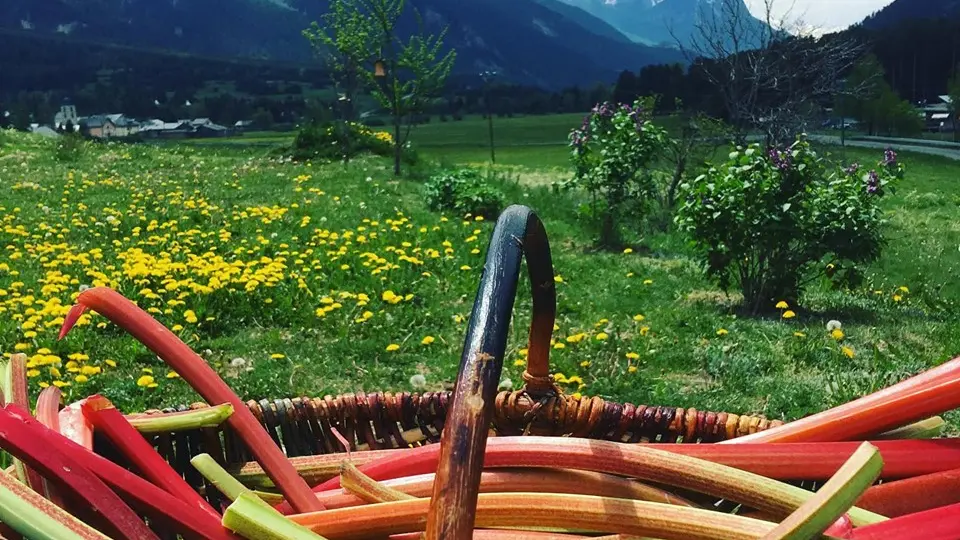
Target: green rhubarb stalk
930,428
252,519
36,518
368,489
206,417
221,479
834,498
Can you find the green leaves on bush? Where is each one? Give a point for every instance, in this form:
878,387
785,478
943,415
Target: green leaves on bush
770,221
464,191
611,154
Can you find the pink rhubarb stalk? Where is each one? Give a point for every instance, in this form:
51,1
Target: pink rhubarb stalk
927,394
643,462
74,426
109,421
48,408
15,392
69,474
523,480
203,379
564,512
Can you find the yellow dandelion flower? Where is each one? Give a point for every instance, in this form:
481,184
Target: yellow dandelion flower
722,332
465,267
782,305
277,356
577,395
190,316
602,336
558,278
644,330
585,363
111,363
632,369
33,373
789,314
145,380
60,384
427,340
632,356
848,352
648,282
393,347
172,375
897,298
627,251
903,289
799,334
837,334
519,362
638,317
80,379
90,370
559,345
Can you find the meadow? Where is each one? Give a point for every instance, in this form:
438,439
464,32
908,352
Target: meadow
308,279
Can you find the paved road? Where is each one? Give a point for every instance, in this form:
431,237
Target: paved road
934,151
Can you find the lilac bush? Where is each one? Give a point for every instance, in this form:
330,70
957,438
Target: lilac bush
611,153
770,221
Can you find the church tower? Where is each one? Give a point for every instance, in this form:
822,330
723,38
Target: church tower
67,114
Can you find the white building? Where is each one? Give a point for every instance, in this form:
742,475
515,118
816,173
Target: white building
68,113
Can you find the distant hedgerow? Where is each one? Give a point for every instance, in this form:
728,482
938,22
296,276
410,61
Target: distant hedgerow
464,191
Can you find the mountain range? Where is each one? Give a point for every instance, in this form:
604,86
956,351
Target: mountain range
900,10
541,42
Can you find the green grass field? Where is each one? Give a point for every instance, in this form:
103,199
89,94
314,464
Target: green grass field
301,279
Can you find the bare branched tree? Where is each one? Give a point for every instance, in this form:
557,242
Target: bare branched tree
771,75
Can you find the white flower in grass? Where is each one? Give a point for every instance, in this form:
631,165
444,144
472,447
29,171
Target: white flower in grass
418,382
834,325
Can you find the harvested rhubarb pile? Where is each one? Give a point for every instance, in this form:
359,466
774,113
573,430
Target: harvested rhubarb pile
875,468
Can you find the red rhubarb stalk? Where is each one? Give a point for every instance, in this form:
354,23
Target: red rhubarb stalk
927,394
146,498
894,499
48,408
523,480
69,474
938,524
203,379
109,421
15,392
643,462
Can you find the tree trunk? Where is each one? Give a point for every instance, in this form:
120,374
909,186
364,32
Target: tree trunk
397,145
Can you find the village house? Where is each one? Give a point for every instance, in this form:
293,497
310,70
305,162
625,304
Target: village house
118,125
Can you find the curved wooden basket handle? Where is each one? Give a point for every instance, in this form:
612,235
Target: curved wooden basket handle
463,443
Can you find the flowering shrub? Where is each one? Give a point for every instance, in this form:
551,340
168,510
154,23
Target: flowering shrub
611,152
464,191
770,221
340,140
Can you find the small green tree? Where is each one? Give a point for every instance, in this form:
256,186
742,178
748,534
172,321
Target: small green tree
771,221
402,74
953,90
611,154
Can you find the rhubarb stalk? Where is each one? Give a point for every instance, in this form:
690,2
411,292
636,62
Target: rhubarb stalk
220,478
17,438
367,488
937,524
924,429
36,518
206,417
834,498
635,461
108,420
75,427
550,510
523,480
894,499
921,396
48,407
15,392
203,379
250,518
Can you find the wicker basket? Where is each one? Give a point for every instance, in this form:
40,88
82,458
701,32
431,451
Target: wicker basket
304,426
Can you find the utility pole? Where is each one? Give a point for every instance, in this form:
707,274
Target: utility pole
487,78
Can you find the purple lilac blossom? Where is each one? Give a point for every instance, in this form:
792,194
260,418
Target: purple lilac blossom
853,168
873,182
889,157
781,160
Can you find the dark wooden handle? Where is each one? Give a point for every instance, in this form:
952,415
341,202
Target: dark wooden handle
463,443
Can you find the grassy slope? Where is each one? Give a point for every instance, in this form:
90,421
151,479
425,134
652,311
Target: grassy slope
760,365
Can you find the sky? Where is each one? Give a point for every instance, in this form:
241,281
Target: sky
825,15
